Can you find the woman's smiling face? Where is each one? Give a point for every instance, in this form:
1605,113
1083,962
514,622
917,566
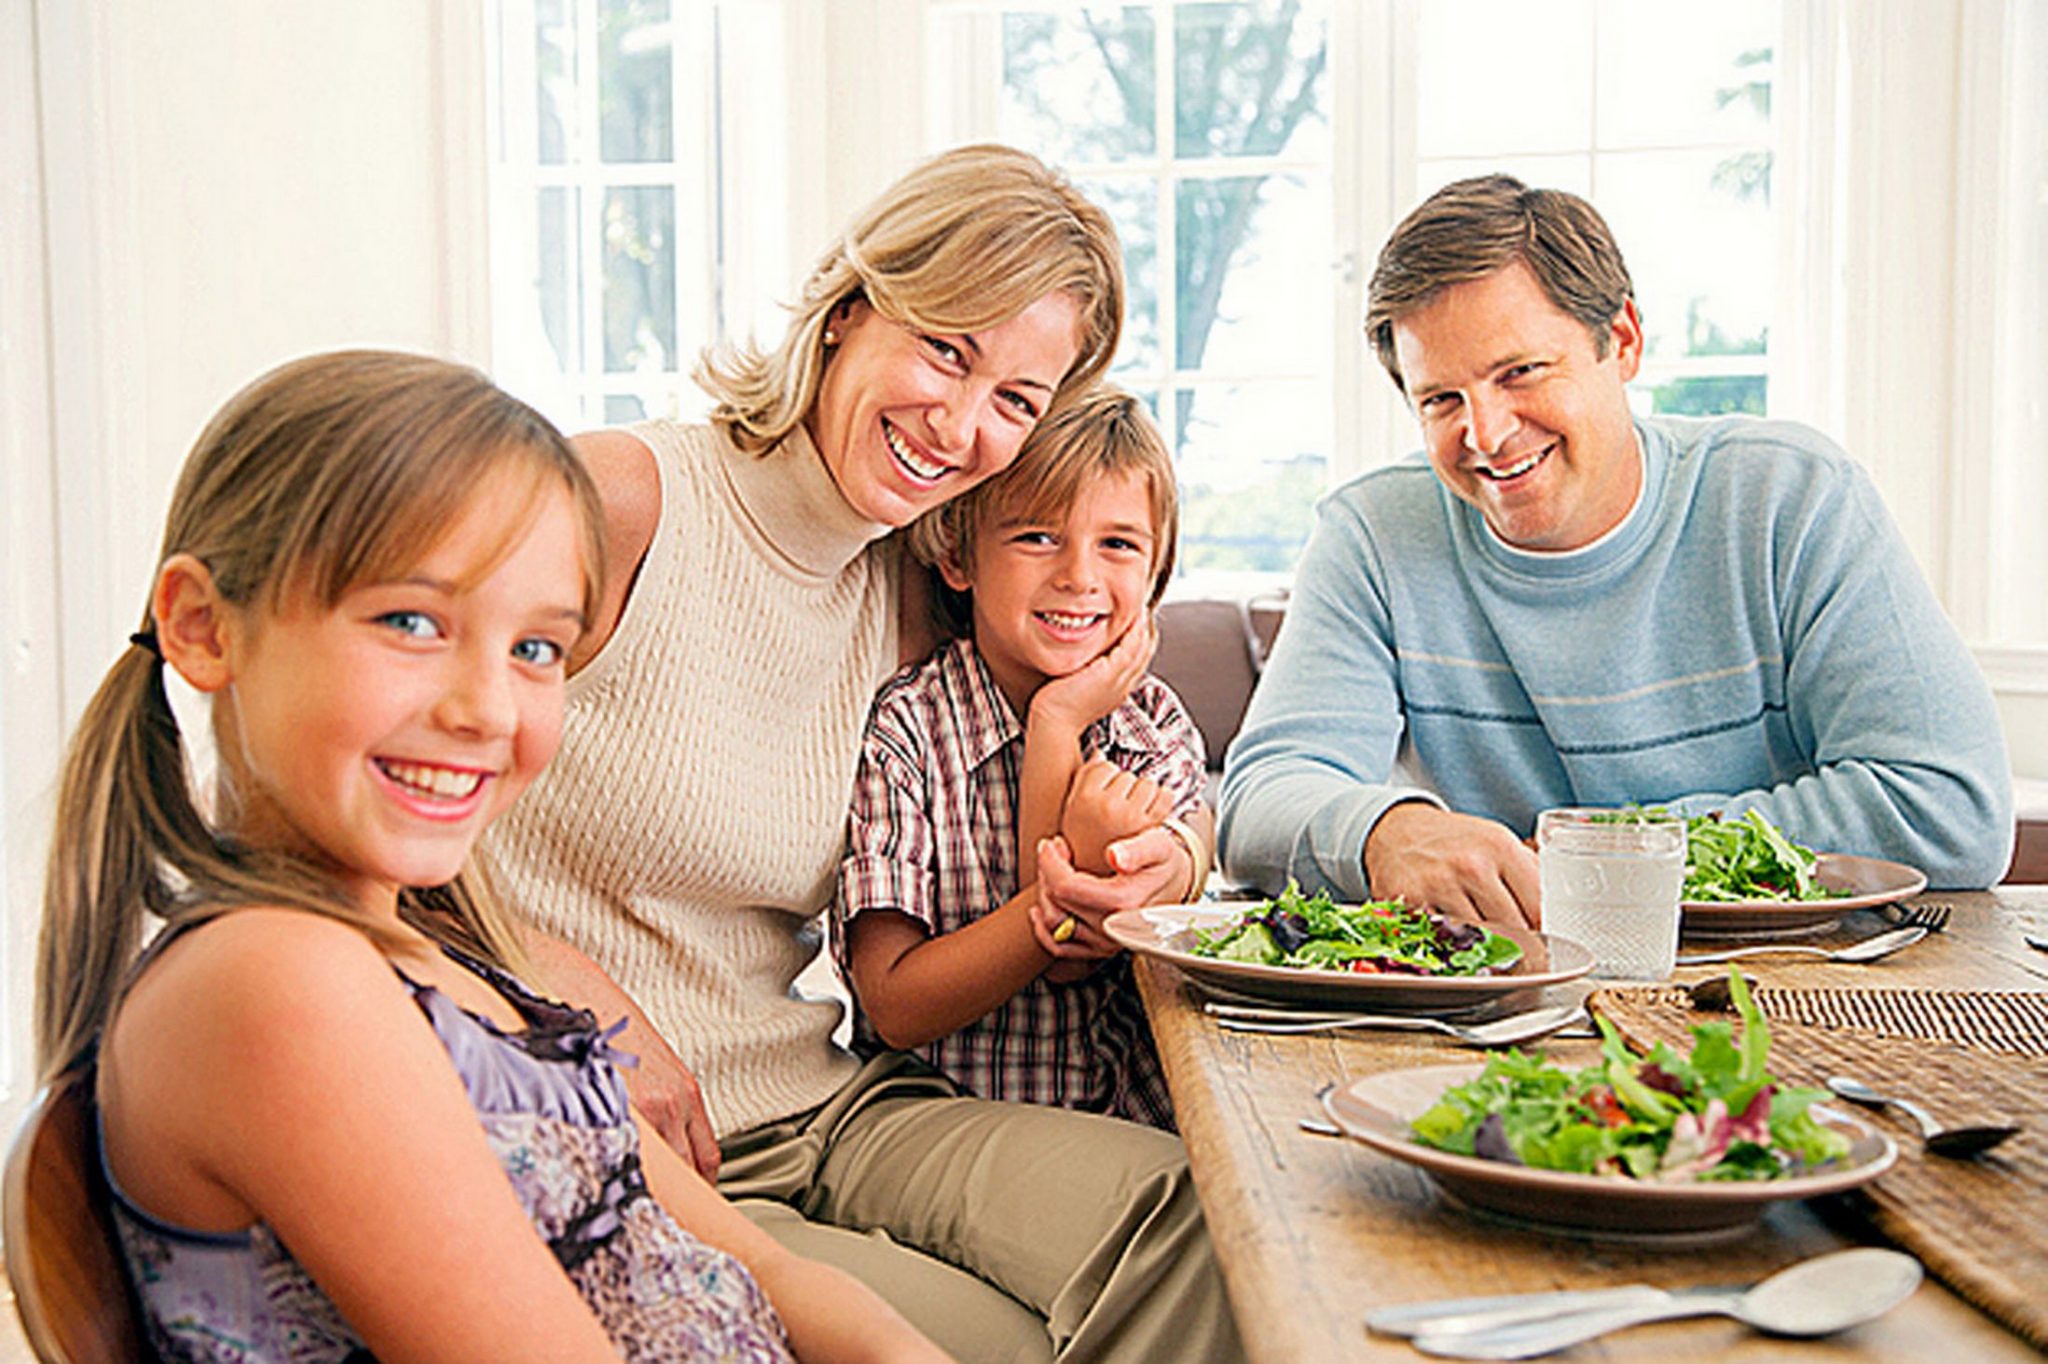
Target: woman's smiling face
906,420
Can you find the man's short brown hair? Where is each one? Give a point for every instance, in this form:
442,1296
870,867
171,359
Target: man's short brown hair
1471,228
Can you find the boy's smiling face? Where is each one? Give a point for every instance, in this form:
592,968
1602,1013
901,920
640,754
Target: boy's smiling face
1050,596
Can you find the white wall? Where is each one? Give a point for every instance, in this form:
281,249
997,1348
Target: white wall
222,184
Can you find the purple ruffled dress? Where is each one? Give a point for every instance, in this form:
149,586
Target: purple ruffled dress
554,1108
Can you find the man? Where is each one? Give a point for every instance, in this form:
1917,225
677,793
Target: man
1581,607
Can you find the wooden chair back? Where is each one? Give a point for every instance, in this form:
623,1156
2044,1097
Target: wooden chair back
62,1256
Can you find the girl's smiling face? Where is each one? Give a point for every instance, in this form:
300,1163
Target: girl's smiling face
381,735
1050,596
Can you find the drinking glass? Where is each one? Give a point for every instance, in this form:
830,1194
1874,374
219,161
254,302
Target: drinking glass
1611,882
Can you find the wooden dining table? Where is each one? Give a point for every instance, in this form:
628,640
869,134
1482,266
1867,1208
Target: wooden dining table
1313,1231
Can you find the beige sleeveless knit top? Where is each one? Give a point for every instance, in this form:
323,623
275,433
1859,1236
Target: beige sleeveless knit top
687,834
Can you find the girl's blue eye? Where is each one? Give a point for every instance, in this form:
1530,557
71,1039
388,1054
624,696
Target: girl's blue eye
541,653
1025,407
946,350
417,624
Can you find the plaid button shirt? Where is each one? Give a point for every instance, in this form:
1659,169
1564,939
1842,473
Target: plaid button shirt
933,834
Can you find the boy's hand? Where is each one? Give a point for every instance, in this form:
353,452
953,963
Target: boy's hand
1099,686
1105,804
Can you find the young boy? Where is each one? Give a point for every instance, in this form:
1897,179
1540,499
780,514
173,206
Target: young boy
1041,721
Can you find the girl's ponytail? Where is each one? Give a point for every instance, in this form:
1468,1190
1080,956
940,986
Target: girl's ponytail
123,806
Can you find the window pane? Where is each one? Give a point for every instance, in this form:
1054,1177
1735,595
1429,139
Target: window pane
639,279
561,302
1079,86
554,74
1252,249
1504,76
620,408
635,76
1711,395
1133,205
1253,459
1685,73
1696,232
1249,80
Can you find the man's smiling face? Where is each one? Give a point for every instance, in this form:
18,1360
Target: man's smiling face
1521,415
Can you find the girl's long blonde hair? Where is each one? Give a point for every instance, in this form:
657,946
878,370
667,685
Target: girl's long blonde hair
964,241
325,473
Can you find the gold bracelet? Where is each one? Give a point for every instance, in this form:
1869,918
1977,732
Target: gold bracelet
1198,855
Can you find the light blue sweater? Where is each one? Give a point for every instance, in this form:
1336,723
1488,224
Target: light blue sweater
1754,635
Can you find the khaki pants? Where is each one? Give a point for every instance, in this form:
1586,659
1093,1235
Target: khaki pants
1080,1236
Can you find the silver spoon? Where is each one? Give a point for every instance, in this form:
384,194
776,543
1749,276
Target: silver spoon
1870,949
1959,1142
1815,1297
1501,1032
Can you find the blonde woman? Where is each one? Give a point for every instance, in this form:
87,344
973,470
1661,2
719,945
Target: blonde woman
687,838
336,1123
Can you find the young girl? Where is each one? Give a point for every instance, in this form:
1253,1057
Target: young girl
975,756
334,1121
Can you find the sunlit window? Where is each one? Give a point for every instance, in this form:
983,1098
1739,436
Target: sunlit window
604,210
1661,115
1216,134
1204,129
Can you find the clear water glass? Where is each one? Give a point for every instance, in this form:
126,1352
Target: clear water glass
1611,881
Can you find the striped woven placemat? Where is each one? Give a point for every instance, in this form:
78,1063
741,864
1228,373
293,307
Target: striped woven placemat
1976,1224
2002,1020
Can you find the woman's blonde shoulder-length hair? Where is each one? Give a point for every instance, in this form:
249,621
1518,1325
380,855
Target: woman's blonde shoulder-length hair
324,474
964,241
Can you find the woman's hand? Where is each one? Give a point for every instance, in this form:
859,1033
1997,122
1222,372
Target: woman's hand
1105,804
1078,700
1151,868
661,1086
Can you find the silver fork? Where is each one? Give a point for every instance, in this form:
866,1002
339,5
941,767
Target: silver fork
1870,949
1933,918
1500,1032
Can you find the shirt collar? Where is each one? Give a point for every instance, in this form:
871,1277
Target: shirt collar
986,721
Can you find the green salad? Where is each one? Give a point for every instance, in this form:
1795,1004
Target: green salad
1747,858
1378,937
1714,1115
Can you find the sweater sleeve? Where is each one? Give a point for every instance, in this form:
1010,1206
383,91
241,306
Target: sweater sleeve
1312,768
1908,759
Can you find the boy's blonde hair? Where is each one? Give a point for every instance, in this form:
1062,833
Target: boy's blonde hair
1102,433
325,473
964,241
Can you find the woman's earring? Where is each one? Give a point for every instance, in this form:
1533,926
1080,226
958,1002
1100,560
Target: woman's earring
831,337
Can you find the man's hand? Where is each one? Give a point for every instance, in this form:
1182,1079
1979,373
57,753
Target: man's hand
1098,687
1106,804
661,1086
1467,867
